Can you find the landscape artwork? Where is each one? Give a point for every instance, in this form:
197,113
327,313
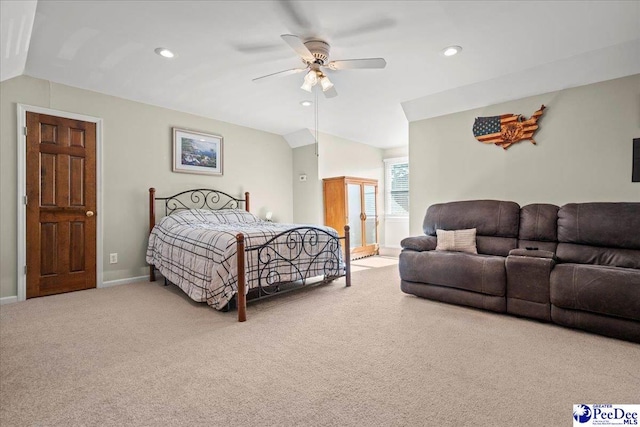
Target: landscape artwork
197,152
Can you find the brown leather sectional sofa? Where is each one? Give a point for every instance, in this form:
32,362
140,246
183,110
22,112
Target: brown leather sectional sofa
576,266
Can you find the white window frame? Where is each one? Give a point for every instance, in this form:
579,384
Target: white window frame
388,163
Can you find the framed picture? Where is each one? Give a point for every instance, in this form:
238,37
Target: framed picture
197,152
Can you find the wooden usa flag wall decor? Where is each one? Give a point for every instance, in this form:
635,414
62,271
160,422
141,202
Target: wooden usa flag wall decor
506,129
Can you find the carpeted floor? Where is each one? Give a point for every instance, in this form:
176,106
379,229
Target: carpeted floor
145,355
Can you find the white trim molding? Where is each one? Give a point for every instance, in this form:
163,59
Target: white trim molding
22,190
393,160
126,281
8,300
387,186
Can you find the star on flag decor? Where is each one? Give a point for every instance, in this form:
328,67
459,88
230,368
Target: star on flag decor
506,129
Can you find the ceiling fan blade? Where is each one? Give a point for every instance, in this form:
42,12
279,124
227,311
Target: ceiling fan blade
279,74
368,27
295,13
331,92
297,45
349,64
251,48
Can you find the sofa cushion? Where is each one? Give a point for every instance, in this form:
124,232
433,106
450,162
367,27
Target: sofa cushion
478,273
539,222
488,217
457,240
584,254
499,246
609,291
613,225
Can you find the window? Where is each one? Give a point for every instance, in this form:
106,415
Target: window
397,186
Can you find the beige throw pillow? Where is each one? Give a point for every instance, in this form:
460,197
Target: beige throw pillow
457,240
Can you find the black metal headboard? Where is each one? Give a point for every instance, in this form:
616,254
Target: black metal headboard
202,198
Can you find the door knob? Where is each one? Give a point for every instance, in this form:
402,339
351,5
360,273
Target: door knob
89,213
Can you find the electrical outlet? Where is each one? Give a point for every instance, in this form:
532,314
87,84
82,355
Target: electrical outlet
113,258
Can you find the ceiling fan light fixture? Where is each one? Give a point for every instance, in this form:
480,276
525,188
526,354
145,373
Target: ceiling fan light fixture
325,83
164,52
451,50
311,78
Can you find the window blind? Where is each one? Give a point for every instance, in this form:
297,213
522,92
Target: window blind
397,189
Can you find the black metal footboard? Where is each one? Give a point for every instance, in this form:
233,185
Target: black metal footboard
291,258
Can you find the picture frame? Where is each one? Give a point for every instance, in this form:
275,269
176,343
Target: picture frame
197,152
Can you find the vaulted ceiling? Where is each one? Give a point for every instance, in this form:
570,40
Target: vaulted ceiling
511,49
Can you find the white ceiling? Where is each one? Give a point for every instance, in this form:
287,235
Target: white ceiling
220,46
16,23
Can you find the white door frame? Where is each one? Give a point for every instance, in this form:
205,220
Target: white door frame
22,189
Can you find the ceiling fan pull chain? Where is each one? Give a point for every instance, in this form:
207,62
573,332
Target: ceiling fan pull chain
315,96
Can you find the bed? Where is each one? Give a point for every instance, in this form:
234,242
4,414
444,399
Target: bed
212,247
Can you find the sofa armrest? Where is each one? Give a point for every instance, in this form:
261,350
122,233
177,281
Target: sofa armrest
419,243
534,253
528,283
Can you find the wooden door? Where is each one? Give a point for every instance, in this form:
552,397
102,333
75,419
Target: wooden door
61,205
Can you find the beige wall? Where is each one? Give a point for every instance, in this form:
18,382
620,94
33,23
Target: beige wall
343,157
391,153
136,155
337,157
395,228
583,154
307,195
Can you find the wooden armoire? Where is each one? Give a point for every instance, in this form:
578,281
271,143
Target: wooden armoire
353,201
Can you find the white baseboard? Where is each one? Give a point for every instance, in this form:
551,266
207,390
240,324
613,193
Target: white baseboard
123,281
11,300
8,300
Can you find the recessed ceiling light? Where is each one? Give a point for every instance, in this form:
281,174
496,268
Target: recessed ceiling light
306,103
451,50
164,52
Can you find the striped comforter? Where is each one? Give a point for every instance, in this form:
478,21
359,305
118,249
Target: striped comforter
197,250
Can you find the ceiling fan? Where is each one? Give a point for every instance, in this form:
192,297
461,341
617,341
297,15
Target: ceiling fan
315,55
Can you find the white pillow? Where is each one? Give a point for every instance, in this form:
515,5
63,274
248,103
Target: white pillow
204,216
457,240
229,216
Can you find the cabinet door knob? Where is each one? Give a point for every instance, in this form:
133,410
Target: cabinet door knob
89,213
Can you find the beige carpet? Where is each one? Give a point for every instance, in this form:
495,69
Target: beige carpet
144,355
